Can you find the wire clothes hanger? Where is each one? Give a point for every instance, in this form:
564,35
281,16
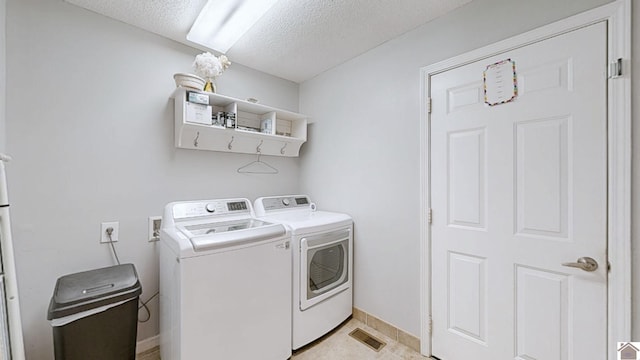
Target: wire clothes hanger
258,166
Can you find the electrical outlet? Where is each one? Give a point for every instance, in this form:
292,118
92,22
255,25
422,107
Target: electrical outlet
104,236
154,228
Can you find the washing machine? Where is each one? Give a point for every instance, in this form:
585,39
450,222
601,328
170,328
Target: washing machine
322,261
225,283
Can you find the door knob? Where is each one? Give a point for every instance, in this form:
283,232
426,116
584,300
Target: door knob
584,263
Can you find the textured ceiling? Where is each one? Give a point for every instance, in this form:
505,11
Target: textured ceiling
296,39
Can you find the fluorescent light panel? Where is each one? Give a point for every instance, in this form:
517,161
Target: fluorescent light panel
221,23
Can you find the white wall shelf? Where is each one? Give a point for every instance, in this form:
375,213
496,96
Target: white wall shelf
285,139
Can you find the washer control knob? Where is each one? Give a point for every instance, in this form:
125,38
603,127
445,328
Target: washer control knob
210,208
286,202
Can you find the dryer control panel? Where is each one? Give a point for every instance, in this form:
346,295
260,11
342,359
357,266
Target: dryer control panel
285,202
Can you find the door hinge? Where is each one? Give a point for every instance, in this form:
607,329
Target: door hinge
430,325
428,105
430,216
615,69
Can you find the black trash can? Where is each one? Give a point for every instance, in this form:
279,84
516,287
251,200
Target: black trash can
94,314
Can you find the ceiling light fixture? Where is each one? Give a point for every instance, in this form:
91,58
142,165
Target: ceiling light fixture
221,23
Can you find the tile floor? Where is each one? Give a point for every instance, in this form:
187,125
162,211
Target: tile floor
338,345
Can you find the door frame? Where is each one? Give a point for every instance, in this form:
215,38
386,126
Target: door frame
618,17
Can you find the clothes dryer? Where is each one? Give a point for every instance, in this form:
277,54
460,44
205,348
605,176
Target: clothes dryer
322,259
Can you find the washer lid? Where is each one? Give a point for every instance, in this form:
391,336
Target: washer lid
221,227
207,236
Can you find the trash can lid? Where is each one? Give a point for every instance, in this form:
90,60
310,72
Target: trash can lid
87,290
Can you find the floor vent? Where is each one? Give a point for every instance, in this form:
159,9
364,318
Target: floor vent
367,339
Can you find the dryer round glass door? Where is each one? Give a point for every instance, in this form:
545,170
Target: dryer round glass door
324,267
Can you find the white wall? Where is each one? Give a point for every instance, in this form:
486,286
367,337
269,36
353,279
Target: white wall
90,127
363,153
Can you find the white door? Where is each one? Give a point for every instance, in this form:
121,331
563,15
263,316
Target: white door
517,190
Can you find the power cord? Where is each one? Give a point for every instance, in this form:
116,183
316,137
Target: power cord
115,253
146,308
109,231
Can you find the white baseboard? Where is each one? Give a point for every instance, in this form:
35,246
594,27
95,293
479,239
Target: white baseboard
147,344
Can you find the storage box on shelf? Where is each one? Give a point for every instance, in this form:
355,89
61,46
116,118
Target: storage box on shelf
241,126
